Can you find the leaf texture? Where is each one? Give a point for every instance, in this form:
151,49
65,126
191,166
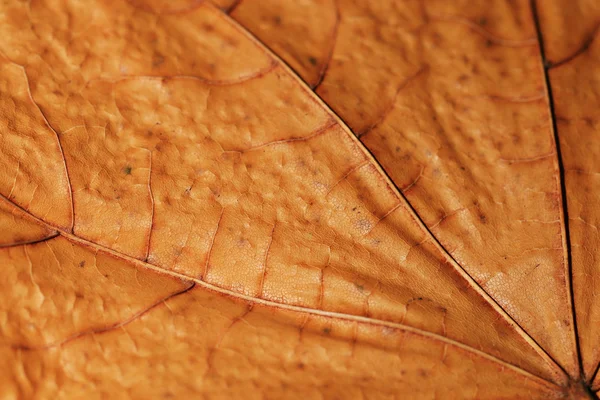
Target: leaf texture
476,159
197,204
574,84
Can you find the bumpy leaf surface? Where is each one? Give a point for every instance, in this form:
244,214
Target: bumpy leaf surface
271,199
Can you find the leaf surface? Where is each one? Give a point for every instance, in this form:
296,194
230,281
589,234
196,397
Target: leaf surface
181,215
476,159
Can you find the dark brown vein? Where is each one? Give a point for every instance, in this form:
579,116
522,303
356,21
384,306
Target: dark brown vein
105,329
346,175
224,332
584,47
594,374
387,214
563,188
317,132
329,56
390,108
233,6
414,181
32,241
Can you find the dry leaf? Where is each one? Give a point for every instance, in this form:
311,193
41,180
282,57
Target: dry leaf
298,199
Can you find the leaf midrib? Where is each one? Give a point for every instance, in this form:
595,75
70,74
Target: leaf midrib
566,237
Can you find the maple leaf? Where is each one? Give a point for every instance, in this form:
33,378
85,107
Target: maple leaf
278,199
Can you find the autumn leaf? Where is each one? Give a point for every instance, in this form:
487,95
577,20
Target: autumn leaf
315,199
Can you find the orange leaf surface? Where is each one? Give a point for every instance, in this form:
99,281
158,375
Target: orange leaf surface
313,199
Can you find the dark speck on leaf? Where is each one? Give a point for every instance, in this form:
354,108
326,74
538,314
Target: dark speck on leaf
157,60
82,264
312,60
327,331
127,170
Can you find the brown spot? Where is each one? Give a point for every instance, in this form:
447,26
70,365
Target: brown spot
157,60
327,331
312,60
127,170
81,264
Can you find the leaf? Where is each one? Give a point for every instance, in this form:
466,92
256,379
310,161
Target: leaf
181,215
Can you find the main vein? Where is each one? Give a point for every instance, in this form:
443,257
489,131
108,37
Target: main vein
563,189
